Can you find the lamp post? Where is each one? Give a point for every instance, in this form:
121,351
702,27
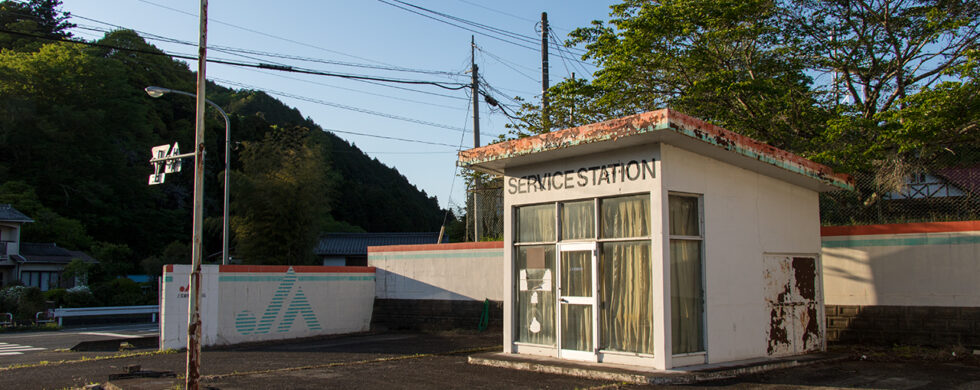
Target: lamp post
160,91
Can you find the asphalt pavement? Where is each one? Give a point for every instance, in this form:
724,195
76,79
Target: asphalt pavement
439,360
28,347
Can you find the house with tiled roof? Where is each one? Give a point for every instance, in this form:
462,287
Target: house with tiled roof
351,248
34,264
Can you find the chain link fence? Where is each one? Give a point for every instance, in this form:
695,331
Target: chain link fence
899,192
488,200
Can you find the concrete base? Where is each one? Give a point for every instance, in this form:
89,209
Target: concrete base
645,375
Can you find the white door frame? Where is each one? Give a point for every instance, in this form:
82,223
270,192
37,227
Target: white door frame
592,301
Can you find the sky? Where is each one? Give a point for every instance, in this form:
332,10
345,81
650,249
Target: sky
376,38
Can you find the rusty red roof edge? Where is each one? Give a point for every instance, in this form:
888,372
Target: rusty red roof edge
665,119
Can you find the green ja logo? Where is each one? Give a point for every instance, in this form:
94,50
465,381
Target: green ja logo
245,321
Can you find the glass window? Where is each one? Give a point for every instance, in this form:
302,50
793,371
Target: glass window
576,277
684,219
535,311
578,220
686,275
627,216
536,223
626,314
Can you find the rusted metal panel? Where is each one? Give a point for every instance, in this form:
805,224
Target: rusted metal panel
793,301
650,122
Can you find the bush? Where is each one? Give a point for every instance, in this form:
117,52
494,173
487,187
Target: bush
23,302
80,296
119,292
56,296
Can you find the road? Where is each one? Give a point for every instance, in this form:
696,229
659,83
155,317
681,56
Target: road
28,347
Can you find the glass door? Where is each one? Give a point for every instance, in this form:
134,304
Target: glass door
577,319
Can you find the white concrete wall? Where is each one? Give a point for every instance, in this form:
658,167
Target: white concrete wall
463,271
261,303
746,215
884,266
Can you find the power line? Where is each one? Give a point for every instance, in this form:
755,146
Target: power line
234,50
389,138
458,26
504,63
263,33
401,99
338,105
444,85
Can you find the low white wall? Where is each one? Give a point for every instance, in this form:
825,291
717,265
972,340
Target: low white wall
260,303
461,271
921,264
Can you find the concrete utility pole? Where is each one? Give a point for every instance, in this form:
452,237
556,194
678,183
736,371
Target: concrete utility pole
545,118
193,315
476,135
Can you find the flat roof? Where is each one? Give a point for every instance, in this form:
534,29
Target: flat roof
661,126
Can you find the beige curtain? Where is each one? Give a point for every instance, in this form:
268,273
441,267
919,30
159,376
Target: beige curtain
686,290
535,288
626,216
578,220
626,315
536,223
576,332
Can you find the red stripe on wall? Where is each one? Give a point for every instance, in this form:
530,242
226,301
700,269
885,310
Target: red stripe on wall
296,268
456,246
900,228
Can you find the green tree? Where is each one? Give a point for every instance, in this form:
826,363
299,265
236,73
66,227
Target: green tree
48,226
724,61
22,22
174,253
281,198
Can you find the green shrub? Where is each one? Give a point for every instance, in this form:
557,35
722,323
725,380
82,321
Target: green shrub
56,296
22,302
119,292
80,296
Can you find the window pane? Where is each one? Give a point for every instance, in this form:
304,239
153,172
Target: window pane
535,309
628,216
684,219
626,315
686,296
576,274
578,220
536,223
576,327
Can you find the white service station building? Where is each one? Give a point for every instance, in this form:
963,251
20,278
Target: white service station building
658,240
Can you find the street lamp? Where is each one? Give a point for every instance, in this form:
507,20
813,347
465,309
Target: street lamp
156,92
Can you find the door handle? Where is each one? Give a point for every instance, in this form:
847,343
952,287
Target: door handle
562,300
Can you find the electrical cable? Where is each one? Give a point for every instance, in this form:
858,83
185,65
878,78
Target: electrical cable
455,86
263,33
452,185
338,105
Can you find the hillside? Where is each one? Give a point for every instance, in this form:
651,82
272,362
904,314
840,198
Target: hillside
76,130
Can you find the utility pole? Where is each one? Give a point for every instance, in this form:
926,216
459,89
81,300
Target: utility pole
476,135
545,118
193,315
571,110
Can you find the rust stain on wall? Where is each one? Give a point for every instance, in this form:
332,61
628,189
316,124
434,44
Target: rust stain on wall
805,272
777,329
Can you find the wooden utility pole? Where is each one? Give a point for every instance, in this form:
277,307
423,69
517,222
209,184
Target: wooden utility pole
476,135
545,118
193,373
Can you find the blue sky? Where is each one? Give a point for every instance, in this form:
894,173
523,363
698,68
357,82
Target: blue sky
367,32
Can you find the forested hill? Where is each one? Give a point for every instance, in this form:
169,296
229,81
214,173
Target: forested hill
76,130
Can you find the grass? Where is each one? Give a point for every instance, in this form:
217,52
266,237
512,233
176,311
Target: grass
51,326
84,359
